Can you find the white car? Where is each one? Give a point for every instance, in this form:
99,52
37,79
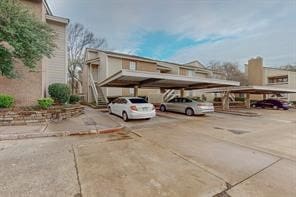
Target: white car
132,108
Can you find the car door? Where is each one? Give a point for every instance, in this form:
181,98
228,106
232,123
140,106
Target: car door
114,106
170,105
121,106
268,104
180,105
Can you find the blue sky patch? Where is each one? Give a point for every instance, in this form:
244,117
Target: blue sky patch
161,45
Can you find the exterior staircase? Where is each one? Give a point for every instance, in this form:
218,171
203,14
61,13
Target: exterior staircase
102,100
99,97
169,94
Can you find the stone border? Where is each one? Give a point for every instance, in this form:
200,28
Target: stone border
239,113
15,118
59,134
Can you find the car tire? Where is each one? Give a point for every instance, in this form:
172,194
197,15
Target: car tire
189,112
275,107
124,116
162,108
254,106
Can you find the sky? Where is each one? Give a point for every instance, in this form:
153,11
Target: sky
186,30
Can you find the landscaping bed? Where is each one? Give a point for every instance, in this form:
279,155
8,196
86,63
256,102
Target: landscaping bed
27,115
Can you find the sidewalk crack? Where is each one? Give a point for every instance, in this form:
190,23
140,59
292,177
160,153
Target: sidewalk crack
77,173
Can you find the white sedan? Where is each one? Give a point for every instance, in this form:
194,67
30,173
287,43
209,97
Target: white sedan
132,108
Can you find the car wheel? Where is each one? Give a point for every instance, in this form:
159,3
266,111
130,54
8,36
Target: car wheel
189,112
162,108
254,106
275,107
125,116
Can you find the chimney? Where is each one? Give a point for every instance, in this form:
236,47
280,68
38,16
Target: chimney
254,70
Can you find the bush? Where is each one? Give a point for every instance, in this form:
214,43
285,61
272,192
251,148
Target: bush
59,92
45,103
74,99
6,101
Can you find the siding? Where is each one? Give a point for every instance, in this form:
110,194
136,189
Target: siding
146,66
292,85
277,72
115,65
183,71
56,66
141,66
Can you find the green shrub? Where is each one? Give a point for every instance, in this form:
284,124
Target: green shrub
59,92
45,103
74,99
6,101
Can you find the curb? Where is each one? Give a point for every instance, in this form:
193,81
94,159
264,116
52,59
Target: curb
60,134
238,113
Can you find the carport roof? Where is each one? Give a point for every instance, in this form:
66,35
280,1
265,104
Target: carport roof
253,90
143,79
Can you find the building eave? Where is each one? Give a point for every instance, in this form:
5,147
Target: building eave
57,19
48,10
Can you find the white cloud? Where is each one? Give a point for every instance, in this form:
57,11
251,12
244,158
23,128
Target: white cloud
263,28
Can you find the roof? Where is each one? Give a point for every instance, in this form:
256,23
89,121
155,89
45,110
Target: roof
125,55
143,79
148,59
49,12
57,19
273,68
253,90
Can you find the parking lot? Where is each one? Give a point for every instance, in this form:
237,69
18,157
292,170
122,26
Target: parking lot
170,155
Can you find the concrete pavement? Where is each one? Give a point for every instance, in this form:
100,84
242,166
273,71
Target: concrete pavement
192,156
91,122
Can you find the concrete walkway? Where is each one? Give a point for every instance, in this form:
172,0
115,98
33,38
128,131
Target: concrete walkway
91,122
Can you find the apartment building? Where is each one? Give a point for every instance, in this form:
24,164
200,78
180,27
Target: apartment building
258,74
32,83
102,64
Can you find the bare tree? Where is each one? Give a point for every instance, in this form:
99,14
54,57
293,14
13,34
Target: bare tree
230,70
289,67
80,38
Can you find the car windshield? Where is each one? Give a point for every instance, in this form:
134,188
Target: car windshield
137,100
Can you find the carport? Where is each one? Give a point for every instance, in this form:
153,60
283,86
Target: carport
143,79
248,90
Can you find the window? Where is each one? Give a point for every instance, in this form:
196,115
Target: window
174,100
122,101
132,66
137,100
278,79
190,73
116,100
186,100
